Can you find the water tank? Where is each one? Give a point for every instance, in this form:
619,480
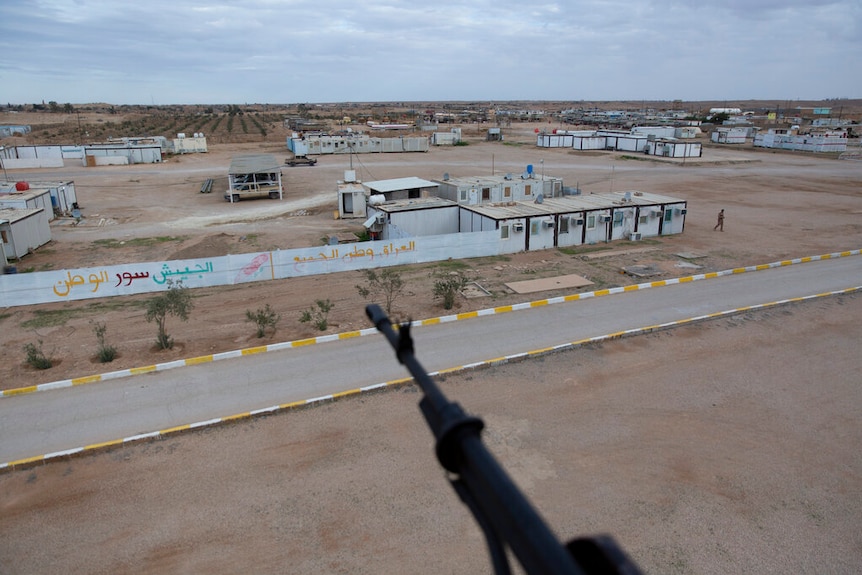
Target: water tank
376,199
22,186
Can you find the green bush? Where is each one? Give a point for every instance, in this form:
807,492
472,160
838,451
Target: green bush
387,285
447,288
319,315
36,357
177,301
263,318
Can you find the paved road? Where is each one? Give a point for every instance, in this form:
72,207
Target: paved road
45,422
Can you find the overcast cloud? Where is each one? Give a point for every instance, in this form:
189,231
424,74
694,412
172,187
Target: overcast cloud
292,51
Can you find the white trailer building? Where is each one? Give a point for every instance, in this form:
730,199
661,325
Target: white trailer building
474,190
555,140
624,141
825,142
656,131
63,195
576,220
21,231
352,197
724,135
355,144
27,199
121,154
672,148
400,219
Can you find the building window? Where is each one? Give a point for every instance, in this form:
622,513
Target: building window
668,215
463,195
528,190
507,192
3,237
504,232
591,222
534,228
486,194
618,219
564,225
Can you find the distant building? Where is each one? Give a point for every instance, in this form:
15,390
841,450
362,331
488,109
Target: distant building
355,144
833,141
7,130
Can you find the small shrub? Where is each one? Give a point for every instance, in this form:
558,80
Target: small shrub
36,357
319,315
387,285
107,353
447,289
263,318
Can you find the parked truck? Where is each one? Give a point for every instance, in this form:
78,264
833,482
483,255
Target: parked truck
300,161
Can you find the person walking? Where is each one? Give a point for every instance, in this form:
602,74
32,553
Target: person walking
720,225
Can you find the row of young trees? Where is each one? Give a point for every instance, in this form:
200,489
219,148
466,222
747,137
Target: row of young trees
383,287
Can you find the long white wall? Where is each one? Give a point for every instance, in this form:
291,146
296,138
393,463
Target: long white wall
147,277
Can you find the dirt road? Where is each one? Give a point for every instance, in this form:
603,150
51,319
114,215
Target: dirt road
730,446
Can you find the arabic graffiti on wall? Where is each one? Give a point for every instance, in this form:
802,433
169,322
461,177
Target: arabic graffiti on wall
129,279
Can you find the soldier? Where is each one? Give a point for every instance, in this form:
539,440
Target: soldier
720,225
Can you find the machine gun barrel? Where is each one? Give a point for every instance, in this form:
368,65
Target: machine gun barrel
501,509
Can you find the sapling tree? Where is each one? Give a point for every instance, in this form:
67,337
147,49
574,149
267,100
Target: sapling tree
176,301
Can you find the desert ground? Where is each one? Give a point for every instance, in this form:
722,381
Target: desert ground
728,446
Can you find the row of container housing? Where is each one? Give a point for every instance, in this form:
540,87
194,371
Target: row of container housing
553,222
822,142
620,141
118,151
313,144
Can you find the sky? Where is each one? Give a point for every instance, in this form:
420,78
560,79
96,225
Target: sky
296,51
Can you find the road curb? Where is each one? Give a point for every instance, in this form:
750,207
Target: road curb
163,433
431,321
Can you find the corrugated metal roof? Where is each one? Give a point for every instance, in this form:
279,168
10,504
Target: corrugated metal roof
397,184
415,204
570,204
12,215
254,164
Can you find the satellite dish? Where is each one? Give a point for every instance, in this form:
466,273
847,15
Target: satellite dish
446,177
540,198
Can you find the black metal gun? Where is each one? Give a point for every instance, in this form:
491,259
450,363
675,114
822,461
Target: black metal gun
503,513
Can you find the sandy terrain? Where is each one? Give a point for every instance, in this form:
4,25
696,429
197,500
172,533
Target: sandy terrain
731,446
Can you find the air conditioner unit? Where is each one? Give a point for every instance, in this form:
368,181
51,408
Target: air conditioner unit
681,211
657,213
548,223
518,227
635,236
604,219
576,221
380,218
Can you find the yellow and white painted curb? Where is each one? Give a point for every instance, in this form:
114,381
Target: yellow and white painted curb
29,461
432,321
